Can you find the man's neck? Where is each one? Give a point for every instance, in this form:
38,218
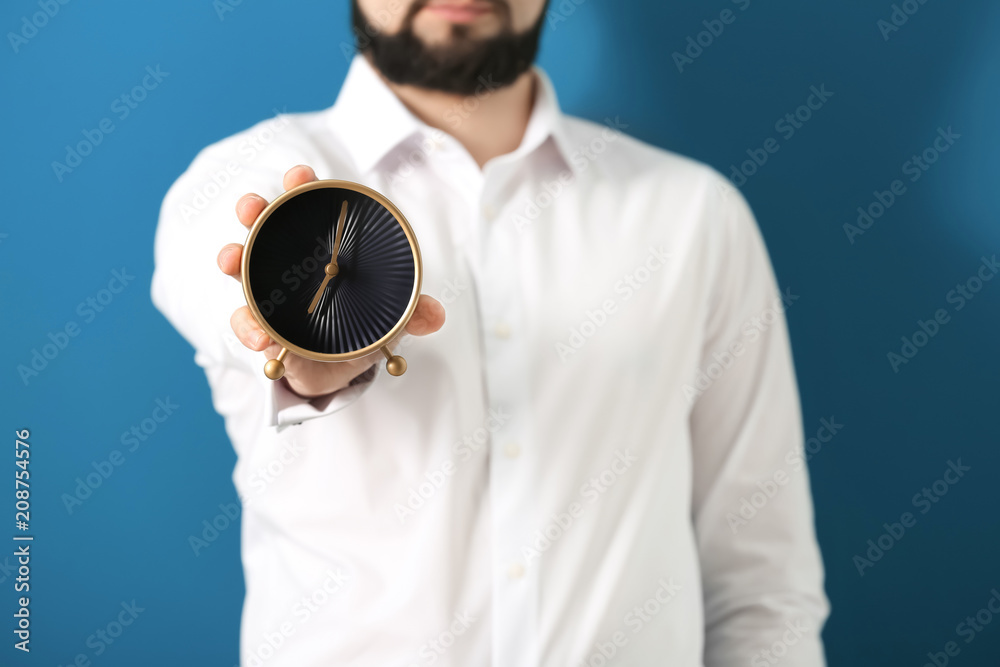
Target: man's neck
489,124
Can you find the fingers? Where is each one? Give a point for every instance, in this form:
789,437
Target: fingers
248,207
428,317
298,175
247,330
229,259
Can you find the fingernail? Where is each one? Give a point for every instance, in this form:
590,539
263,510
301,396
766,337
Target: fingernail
260,339
244,204
222,257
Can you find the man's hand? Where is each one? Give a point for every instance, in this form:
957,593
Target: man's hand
305,377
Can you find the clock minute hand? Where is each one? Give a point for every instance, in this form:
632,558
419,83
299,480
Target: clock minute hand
340,233
331,269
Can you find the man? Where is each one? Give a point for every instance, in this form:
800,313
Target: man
595,461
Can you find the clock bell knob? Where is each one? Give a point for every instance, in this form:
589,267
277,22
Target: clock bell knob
394,364
275,368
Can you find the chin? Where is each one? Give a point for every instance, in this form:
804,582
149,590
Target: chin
435,31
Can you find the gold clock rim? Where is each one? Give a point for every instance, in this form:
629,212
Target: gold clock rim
252,237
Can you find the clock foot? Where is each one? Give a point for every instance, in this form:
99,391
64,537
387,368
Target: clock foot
395,364
274,368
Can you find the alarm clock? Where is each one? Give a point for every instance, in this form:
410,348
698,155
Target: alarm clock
331,271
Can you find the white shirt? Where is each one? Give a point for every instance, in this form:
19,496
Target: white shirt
598,459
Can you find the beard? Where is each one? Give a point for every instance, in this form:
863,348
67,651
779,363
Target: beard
462,66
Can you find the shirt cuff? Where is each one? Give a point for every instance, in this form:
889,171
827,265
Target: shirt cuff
283,407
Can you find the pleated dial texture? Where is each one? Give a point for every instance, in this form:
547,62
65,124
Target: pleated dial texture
363,302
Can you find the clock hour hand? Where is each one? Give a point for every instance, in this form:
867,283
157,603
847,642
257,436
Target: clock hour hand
331,269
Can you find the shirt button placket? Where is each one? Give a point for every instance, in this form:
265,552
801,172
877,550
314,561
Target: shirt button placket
510,469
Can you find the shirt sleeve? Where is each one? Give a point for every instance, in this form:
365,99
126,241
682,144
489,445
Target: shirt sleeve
762,573
285,408
197,218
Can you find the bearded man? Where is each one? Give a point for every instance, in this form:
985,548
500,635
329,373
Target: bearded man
596,460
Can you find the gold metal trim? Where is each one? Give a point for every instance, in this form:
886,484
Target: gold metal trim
247,254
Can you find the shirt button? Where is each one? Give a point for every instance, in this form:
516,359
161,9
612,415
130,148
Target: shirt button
501,330
512,450
515,571
489,213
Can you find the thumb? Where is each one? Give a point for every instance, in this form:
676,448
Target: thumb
428,317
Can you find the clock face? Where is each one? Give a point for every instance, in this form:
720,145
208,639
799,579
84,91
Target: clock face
323,304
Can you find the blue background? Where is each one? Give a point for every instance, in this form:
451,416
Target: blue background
129,539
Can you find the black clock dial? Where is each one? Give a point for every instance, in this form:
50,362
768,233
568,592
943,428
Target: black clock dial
375,271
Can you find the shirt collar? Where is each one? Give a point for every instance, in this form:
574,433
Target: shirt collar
368,117
546,122
371,121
